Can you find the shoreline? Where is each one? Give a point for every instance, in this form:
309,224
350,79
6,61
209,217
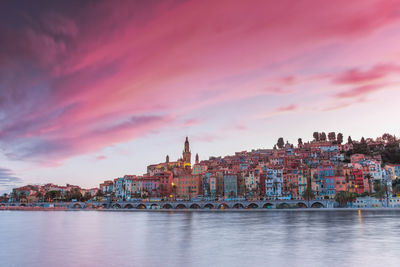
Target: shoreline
194,210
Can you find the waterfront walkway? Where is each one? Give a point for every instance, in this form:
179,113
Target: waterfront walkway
243,204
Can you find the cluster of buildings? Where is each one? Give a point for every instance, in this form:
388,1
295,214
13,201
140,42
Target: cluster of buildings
278,173
35,193
283,173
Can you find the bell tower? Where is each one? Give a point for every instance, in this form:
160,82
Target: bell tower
186,155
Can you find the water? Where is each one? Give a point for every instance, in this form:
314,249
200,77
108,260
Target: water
273,238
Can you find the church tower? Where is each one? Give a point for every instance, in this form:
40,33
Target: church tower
167,159
197,158
186,155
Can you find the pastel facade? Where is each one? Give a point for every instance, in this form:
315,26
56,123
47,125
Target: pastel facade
230,185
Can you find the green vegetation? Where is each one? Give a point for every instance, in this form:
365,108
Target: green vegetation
390,151
343,197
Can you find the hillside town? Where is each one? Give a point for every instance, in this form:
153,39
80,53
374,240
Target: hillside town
325,168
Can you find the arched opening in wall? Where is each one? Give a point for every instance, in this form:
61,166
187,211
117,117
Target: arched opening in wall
195,206
128,206
317,205
301,205
116,206
268,206
167,206
238,206
209,206
77,206
141,207
223,206
180,207
252,206
155,206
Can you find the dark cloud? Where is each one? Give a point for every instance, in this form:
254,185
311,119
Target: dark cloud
8,180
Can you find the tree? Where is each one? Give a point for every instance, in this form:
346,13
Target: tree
339,139
349,140
15,195
291,187
388,138
396,186
316,136
340,198
396,189
99,193
280,143
76,194
323,136
369,177
391,153
22,196
67,196
52,195
361,148
351,196
381,191
112,196
299,142
308,194
39,196
87,196
275,187
343,198
332,136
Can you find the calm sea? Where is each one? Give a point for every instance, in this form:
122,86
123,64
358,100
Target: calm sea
272,238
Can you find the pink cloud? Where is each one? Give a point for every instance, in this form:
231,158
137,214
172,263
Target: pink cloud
359,76
190,122
105,73
208,138
102,157
278,111
360,91
344,104
291,107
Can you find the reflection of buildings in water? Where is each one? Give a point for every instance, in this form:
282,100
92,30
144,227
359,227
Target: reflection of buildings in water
359,217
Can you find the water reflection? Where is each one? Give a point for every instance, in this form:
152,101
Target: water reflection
273,238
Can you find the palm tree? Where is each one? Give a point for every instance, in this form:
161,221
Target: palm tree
112,196
308,194
15,196
258,189
341,198
275,188
39,195
22,196
291,187
369,177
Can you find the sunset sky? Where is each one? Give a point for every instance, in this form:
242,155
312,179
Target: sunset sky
93,90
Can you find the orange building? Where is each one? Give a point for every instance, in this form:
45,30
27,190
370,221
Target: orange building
187,185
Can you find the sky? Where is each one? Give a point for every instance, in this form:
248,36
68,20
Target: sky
94,90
